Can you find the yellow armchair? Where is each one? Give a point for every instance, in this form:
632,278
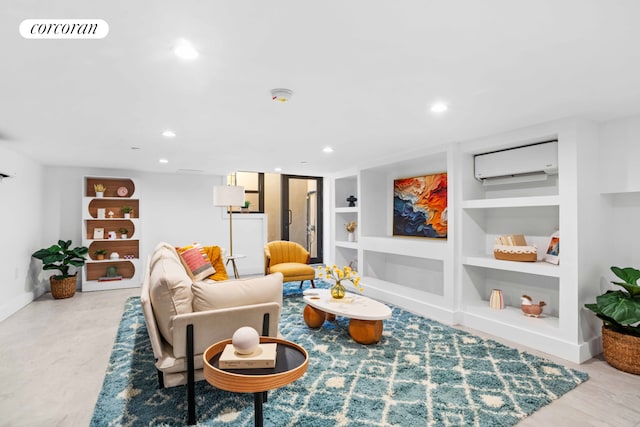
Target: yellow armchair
290,259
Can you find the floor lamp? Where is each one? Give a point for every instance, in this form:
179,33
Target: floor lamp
229,196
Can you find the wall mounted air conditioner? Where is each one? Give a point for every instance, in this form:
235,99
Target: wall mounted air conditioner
520,164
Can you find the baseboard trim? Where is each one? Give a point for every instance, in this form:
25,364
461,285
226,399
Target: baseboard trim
16,303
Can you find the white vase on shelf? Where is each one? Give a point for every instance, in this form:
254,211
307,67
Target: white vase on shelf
351,237
496,300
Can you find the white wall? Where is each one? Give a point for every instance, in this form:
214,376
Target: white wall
620,155
21,231
177,209
620,180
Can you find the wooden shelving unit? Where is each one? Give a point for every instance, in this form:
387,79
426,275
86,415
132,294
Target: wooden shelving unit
110,205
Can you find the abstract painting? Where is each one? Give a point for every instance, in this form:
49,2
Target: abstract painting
420,206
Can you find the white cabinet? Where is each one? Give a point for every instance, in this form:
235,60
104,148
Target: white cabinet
104,222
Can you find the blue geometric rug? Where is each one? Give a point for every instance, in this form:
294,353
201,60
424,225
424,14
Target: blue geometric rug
421,373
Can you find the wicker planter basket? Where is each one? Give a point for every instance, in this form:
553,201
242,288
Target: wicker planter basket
621,351
524,257
63,288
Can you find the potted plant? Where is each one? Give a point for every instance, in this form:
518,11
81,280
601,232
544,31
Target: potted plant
100,254
61,257
126,210
123,232
620,312
99,189
245,208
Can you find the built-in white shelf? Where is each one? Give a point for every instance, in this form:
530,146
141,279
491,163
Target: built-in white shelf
514,318
406,246
345,244
540,268
347,210
451,279
511,202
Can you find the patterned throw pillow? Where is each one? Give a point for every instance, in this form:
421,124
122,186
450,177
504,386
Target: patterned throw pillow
196,262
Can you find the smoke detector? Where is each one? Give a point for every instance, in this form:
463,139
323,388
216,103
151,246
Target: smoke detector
281,95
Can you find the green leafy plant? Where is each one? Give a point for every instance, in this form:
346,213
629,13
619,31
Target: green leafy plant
100,252
60,257
126,209
620,309
123,230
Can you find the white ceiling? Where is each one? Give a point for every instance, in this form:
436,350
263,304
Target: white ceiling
363,73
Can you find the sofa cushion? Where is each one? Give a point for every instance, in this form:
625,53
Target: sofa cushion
196,263
234,293
169,288
294,271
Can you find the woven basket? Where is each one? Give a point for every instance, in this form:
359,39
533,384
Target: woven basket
515,257
63,288
621,351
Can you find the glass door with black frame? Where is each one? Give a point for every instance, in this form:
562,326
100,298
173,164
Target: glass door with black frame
302,213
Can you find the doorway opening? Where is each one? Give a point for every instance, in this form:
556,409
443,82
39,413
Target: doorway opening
301,219
293,205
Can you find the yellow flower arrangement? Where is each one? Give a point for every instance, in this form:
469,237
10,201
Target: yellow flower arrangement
340,275
351,226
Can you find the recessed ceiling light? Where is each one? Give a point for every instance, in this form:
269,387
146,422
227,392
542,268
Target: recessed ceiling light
439,107
163,161
185,50
277,169
327,150
169,134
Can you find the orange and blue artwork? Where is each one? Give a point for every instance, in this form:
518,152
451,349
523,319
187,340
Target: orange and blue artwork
420,206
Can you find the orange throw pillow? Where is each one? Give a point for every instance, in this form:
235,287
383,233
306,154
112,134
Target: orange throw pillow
215,256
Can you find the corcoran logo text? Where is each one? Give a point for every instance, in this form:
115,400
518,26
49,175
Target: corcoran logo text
64,29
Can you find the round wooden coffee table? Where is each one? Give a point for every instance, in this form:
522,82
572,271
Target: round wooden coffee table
291,363
365,315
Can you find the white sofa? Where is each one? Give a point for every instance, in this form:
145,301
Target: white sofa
185,317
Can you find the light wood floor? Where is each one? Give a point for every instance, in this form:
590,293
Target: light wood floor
54,354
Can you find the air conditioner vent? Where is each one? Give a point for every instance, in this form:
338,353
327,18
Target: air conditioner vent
527,161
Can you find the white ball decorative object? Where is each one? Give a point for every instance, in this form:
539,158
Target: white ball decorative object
245,340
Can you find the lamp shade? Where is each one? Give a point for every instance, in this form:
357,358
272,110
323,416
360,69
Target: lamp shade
228,195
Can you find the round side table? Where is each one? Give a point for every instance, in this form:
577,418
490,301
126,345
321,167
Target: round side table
291,363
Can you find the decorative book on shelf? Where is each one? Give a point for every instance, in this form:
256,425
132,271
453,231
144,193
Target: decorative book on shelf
263,357
513,247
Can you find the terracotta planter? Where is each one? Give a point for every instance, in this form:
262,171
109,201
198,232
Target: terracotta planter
63,288
621,351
